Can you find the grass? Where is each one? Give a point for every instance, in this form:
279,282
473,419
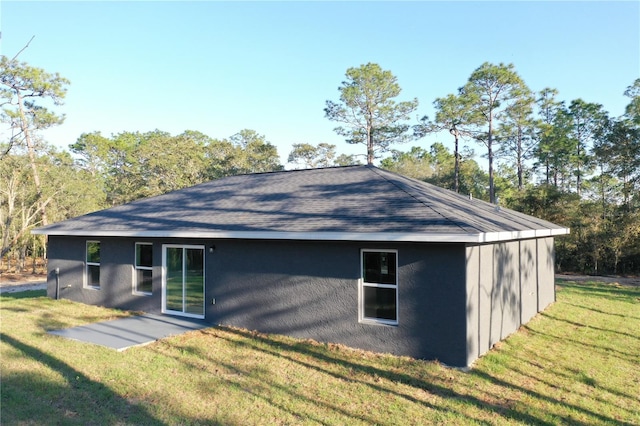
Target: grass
576,363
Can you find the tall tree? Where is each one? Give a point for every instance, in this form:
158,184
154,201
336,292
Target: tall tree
368,110
586,121
631,127
67,190
452,115
17,210
617,149
552,135
516,134
488,92
632,111
22,90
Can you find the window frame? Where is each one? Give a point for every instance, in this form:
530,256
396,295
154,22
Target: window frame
87,264
362,284
137,268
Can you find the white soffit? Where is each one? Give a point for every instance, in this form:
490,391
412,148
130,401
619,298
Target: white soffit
485,237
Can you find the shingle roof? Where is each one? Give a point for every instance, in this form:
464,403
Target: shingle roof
342,203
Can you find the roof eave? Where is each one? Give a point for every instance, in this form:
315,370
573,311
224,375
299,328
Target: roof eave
484,237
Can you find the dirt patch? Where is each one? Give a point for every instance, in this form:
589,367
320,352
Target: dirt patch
8,278
12,282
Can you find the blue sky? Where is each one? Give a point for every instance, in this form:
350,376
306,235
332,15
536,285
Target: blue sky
220,67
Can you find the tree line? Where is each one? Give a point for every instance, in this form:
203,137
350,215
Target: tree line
568,163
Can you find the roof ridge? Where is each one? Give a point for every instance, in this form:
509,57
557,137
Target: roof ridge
272,172
378,172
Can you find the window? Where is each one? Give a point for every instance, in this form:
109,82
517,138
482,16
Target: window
379,287
142,281
92,278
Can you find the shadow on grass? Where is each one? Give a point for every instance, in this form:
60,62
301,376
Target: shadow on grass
31,398
287,351
600,311
626,356
7,298
589,326
265,392
599,289
569,376
284,350
551,400
266,389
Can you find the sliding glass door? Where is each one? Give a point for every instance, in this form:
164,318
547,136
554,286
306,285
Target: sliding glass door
183,280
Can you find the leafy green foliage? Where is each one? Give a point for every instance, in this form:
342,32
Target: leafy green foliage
66,191
133,165
24,93
416,163
586,120
605,229
453,114
617,153
553,143
368,110
632,111
252,153
437,167
572,165
516,134
307,156
491,91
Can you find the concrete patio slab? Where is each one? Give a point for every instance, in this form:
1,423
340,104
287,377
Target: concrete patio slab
124,333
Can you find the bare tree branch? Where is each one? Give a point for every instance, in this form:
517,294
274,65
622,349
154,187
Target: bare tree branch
24,48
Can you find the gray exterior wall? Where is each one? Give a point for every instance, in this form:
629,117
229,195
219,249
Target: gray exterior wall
310,290
296,288
117,256
507,284
546,273
455,302
529,280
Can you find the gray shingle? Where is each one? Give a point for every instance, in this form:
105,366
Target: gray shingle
356,202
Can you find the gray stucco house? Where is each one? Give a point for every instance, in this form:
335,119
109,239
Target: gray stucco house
353,255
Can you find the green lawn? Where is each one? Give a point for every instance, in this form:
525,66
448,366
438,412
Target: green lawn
576,363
